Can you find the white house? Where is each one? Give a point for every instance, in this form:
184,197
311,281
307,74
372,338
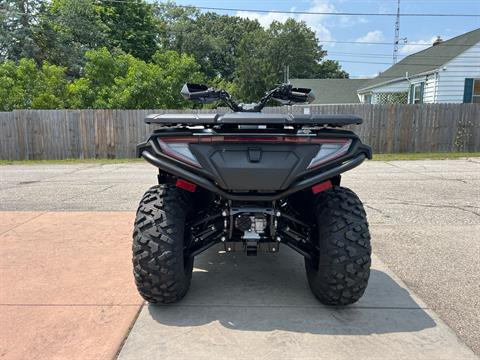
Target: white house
447,72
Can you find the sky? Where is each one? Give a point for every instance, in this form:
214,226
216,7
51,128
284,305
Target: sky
363,60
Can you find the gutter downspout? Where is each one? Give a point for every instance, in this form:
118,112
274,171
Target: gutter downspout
435,92
409,87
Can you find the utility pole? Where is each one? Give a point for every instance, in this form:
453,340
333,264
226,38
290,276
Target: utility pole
397,34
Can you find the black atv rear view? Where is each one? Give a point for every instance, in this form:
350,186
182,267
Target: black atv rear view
252,182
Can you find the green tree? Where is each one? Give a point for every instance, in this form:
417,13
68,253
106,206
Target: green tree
263,56
118,80
26,86
95,88
16,84
294,44
19,29
110,49
254,72
174,24
51,88
67,30
212,38
130,25
329,69
175,70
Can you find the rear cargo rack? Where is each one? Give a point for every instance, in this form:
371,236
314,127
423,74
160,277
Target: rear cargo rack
245,118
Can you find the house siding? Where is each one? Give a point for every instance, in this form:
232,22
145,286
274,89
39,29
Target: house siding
446,85
430,88
451,78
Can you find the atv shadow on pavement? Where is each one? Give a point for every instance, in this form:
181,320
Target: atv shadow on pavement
270,292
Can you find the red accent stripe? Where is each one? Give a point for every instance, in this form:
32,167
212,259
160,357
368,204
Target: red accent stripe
254,138
322,187
186,185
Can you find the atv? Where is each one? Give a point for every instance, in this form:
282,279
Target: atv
252,182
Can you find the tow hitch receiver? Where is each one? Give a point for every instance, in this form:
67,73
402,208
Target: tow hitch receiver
253,227
251,247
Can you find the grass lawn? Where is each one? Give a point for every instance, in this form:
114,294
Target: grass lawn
70,161
424,156
376,157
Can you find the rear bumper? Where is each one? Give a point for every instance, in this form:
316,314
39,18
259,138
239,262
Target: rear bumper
168,166
213,180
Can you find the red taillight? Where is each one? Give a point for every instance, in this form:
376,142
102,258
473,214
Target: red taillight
322,187
185,185
179,149
330,151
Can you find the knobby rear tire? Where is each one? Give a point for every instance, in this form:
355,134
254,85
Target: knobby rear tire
162,274
341,274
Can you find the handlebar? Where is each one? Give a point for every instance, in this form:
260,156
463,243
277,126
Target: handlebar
285,93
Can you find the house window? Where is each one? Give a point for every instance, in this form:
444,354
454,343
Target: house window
416,93
367,99
471,93
476,91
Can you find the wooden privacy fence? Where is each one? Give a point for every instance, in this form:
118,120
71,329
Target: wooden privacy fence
83,134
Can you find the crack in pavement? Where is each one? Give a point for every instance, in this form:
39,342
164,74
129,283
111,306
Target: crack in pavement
40,181
23,223
426,175
82,168
377,210
88,193
405,202
473,161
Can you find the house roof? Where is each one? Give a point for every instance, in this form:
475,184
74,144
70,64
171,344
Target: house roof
427,60
332,91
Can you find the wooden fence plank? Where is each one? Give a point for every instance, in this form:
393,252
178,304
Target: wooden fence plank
83,134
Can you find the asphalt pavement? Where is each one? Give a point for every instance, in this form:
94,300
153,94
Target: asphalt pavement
424,217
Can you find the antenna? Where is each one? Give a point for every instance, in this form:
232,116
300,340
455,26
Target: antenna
397,34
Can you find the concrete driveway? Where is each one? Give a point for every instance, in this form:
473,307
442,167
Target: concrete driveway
262,308
424,218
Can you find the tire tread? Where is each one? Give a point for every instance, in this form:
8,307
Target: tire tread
344,244
160,275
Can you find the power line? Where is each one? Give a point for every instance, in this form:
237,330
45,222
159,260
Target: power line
320,40
376,55
398,64
415,1
320,12
425,45
390,44
310,12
